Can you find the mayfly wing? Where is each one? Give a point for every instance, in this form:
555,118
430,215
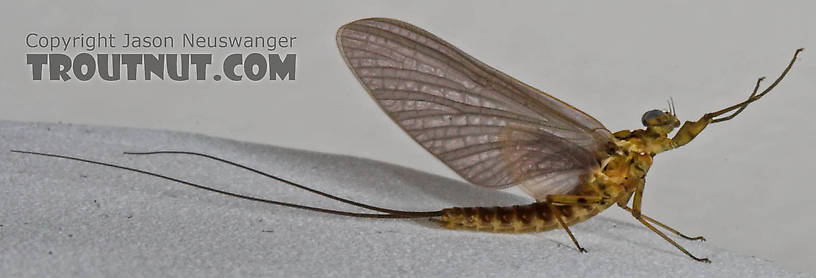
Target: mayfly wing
490,128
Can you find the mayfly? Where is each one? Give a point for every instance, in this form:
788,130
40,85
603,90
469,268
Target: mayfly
497,132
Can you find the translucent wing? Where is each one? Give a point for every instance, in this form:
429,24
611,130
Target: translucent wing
493,130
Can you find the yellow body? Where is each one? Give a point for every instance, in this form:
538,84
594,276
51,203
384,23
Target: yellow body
621,175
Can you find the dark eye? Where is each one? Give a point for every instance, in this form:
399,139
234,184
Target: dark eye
650,115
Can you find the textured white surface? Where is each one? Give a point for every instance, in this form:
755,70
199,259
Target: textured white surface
64,218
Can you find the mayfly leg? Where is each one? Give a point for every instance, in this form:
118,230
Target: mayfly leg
756,88
690,129
711,116
557,215
664,226
667,238
640,217
559,199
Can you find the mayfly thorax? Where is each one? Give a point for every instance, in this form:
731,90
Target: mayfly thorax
497,132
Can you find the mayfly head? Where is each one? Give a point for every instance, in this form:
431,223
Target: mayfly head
660,121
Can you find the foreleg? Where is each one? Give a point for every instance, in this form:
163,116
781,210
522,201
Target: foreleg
690,129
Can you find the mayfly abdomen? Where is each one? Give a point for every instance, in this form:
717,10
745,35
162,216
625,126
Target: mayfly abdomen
536,217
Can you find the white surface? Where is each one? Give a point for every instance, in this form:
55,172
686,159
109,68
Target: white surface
746,184
64,218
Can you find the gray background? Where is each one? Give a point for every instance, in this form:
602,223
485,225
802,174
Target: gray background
744,184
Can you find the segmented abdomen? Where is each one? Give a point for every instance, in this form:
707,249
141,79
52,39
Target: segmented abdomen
536,217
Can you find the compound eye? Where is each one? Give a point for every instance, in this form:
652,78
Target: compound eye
649,116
